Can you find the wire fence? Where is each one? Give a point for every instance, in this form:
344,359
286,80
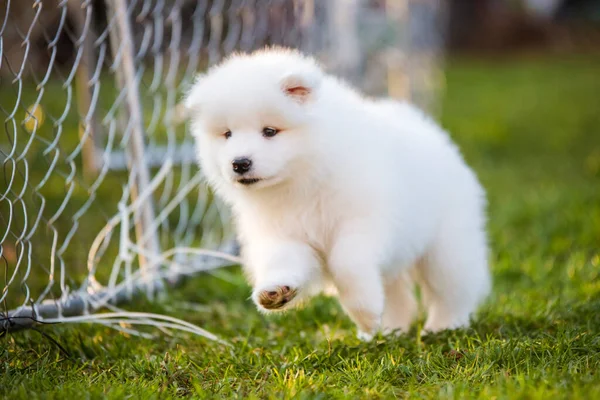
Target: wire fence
101,199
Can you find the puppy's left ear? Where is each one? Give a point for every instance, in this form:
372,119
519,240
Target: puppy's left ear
302,86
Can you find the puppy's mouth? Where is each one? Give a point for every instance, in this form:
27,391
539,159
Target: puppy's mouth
248,181
257,182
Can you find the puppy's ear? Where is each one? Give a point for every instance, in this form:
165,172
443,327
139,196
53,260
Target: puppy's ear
301,87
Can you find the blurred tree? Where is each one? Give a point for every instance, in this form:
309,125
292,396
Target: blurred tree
507,25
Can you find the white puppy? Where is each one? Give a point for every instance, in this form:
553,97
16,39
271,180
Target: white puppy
330,188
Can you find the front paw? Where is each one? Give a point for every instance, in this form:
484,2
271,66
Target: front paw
275,298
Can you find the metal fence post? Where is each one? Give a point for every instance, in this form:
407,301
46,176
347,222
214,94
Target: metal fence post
122,42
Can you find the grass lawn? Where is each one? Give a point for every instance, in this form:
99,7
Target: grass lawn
531,128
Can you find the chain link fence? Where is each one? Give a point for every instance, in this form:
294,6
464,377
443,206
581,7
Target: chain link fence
100,196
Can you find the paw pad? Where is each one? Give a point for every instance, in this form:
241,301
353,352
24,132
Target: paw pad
277,297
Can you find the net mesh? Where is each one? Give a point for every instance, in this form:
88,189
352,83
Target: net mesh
100,195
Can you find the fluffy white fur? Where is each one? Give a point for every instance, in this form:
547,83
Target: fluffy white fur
367,196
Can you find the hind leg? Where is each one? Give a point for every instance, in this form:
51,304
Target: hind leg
454,277
400,304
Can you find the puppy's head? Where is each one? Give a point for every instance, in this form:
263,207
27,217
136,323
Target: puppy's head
251,117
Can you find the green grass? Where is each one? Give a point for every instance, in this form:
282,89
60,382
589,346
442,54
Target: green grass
531,128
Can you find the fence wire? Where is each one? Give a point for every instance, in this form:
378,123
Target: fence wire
101,198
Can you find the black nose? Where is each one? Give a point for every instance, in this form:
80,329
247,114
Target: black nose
241,165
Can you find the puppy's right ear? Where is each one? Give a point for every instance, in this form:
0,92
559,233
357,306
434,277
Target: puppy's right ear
301,87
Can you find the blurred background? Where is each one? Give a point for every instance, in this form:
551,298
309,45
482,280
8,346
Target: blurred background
349,30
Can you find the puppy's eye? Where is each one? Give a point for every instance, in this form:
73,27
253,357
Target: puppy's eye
269,132
227,134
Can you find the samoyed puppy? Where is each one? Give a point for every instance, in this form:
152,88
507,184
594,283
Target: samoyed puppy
330,189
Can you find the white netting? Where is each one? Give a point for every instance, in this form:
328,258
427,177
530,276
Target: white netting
100,197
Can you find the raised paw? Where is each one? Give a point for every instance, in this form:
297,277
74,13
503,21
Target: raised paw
276,297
